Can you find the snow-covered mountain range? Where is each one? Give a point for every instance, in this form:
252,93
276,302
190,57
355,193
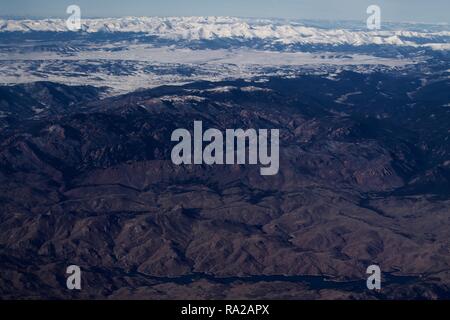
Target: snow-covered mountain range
126,54
212,28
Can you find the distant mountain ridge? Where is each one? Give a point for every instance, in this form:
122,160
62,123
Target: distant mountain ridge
212,28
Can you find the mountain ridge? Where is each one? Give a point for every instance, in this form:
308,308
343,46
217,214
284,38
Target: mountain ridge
209,28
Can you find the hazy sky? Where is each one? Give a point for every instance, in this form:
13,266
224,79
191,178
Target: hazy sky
392,10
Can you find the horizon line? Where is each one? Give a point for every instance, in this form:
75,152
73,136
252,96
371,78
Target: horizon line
27,17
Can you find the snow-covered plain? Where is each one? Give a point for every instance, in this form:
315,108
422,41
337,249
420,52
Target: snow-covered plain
144,66
240,57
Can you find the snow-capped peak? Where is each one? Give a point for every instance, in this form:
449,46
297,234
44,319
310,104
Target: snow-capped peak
209,28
